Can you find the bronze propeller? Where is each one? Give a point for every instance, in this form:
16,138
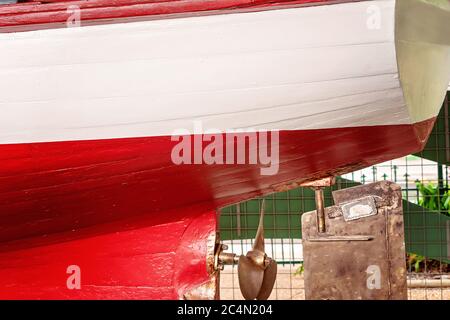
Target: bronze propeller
256,271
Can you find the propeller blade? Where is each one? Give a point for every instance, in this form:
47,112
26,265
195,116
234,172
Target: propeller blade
256,272
259,239
270,275
251,278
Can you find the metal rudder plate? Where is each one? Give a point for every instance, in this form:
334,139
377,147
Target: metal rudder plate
362,253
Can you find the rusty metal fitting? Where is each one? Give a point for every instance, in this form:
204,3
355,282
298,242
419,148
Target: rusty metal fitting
320,209
222,258
318,186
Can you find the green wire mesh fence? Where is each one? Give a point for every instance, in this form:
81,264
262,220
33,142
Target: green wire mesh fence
426,202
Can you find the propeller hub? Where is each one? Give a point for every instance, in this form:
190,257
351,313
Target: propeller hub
258,257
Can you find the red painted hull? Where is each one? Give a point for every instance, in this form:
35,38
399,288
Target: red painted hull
55,13
139,259
59,201
53,187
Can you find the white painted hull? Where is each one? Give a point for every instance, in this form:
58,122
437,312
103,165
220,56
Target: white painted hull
289,69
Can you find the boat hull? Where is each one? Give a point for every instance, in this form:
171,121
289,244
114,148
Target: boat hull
91,116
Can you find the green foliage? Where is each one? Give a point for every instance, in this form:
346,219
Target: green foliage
420,264
299,270
431,199
416,260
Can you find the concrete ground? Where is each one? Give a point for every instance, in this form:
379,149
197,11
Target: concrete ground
291,287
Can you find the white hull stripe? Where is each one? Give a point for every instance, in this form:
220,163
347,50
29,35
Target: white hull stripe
291,69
